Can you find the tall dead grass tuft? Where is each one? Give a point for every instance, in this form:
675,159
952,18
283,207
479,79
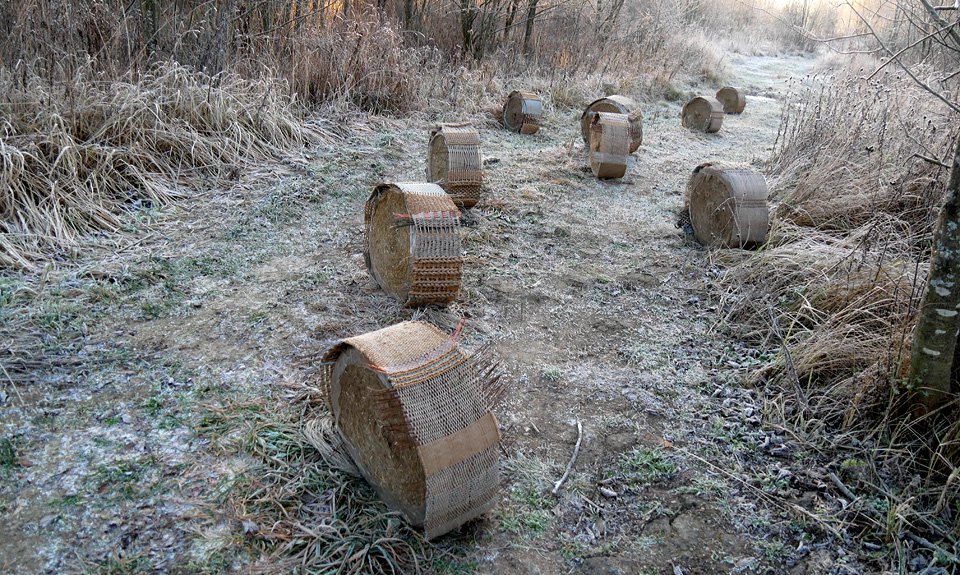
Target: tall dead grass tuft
75,155
858,178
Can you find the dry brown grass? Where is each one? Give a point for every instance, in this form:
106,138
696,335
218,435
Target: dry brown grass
833,295
75,156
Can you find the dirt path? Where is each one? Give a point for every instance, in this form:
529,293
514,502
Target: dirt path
594,298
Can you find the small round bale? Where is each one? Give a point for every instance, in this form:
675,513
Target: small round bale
728,206
522,112
412,246
733,100
414,412
702,114
615,105
453,162
609,145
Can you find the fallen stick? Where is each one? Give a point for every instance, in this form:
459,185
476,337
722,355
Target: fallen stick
573,459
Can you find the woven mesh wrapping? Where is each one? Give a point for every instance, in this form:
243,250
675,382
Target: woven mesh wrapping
703,114
609,145
728,205
522,111
615,105
412,246
453,162
430,410
734,101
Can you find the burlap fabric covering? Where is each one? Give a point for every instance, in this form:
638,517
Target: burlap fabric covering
733,100
453,162
609,145
522,112
413,243
415,415
728,206
703,114
615,105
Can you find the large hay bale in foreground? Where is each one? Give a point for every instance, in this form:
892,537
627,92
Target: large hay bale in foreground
703,114
522,112
415,415
615,105
733,100
453,162
609,145
413,243
728,206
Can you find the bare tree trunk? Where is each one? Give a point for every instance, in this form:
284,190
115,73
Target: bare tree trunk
407,13
528,28
935,337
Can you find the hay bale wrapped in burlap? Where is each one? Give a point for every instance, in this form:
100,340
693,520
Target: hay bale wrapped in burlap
412,246
728,205
703,114
414,412
609,145
733,100
453,162
522,112
615,105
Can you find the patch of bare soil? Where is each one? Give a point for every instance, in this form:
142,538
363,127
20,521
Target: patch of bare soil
596,303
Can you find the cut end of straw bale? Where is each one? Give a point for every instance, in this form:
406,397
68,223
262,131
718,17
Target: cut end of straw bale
702,114
615,105
453,162
728,206
522,112
413,243
733,100
415,415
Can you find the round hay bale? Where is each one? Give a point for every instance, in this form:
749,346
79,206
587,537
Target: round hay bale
728,206
615,105
609,145
733,100
412,246
522,111
703,114
414,412
453,162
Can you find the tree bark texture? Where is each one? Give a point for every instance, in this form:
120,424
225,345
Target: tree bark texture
935,336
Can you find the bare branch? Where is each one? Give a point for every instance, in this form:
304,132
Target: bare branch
902,50
953,105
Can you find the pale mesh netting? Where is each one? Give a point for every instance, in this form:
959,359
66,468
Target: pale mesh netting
454,162
609,145
434,261
522,112
442,398
615,105
728,205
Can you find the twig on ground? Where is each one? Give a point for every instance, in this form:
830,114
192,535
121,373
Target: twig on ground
573,459
843,488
